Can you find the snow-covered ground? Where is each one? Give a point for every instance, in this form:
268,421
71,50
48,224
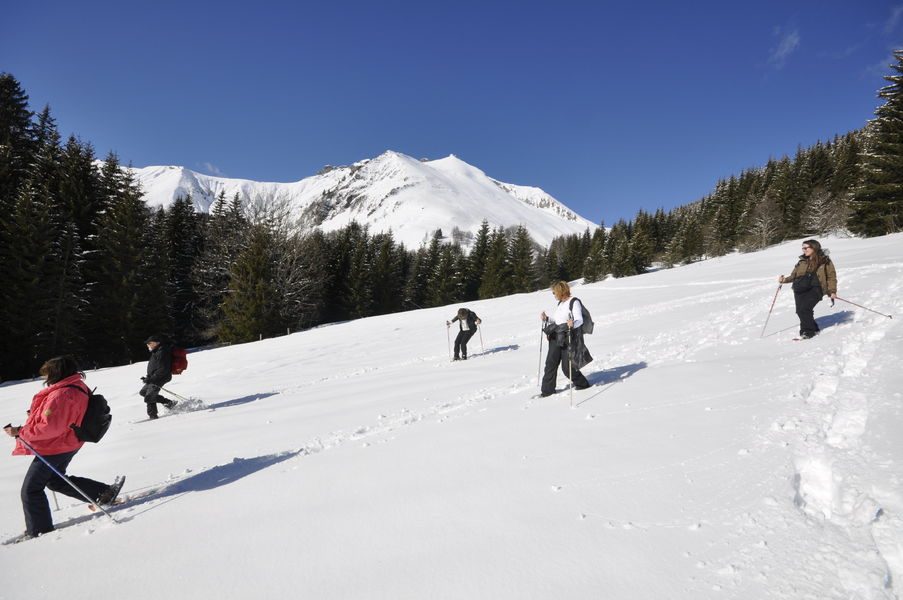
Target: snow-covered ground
356,461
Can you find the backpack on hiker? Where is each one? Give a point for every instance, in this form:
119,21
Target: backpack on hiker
588,324
97,417
179,360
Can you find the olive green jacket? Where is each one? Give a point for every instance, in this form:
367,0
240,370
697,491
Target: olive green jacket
827,275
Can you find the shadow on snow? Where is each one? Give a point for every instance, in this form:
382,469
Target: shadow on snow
240,401
210,479
609,377
838,318
495,350
615,374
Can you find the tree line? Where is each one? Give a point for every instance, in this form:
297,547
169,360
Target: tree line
86,267
853,183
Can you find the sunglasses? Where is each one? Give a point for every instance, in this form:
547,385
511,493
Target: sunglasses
807,247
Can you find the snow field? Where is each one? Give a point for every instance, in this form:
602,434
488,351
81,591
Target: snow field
356,461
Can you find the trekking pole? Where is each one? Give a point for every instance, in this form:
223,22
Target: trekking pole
66,479
780,285
570,367
866,308
542,334
448,335
179,396
55,501
482,349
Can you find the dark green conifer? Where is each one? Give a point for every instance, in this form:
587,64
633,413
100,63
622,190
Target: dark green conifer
251,309
878,203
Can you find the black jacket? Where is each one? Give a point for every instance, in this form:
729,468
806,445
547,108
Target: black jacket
159,366
471,321
558,334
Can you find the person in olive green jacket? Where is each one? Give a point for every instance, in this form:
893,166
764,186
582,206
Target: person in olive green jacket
812,277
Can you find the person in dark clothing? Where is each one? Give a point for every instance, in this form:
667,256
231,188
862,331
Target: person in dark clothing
159,373
813,276
564,320
467,326
47,430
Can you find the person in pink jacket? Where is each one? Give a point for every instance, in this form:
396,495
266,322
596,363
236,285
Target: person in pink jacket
62,403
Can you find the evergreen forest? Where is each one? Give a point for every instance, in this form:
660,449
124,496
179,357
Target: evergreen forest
88,268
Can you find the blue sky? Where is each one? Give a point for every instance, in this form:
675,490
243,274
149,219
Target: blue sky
610,107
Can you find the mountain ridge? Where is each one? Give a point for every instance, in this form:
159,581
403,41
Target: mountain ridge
392,191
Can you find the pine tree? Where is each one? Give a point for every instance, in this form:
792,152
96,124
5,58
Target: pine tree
62,277
314,248
847,167
16,140
251,309
497,272
358,292
183,243
41,278
420,273
595,268
224,234
641,245
16,148
477,261
553,268
878,202
388,274
618,251
128,301
28,303
520,260
350,289
447,282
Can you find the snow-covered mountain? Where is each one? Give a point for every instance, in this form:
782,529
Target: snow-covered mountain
393,191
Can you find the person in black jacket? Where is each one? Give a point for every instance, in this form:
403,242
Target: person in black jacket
467,324
159,372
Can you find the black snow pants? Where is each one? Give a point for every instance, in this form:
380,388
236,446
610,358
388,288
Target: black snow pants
39,476
558,355
461,342
151,394
805,307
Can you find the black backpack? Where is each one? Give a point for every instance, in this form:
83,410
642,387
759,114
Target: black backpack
588,324
97,418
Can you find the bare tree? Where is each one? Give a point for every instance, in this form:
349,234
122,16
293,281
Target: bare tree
826,213
765,227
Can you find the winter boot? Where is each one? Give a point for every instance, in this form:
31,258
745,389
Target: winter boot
110,494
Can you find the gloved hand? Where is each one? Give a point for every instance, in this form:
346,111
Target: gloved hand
144,379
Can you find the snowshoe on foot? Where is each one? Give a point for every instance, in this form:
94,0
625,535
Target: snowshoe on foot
109,495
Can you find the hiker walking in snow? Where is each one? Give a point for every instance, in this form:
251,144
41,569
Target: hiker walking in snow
467,324
812,277
567,318
159,372
47,430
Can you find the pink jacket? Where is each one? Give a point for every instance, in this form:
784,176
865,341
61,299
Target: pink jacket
53,409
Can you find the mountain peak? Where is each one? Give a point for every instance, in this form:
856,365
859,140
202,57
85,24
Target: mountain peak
392,191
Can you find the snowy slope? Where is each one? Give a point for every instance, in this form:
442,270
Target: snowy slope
356,461
392,191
